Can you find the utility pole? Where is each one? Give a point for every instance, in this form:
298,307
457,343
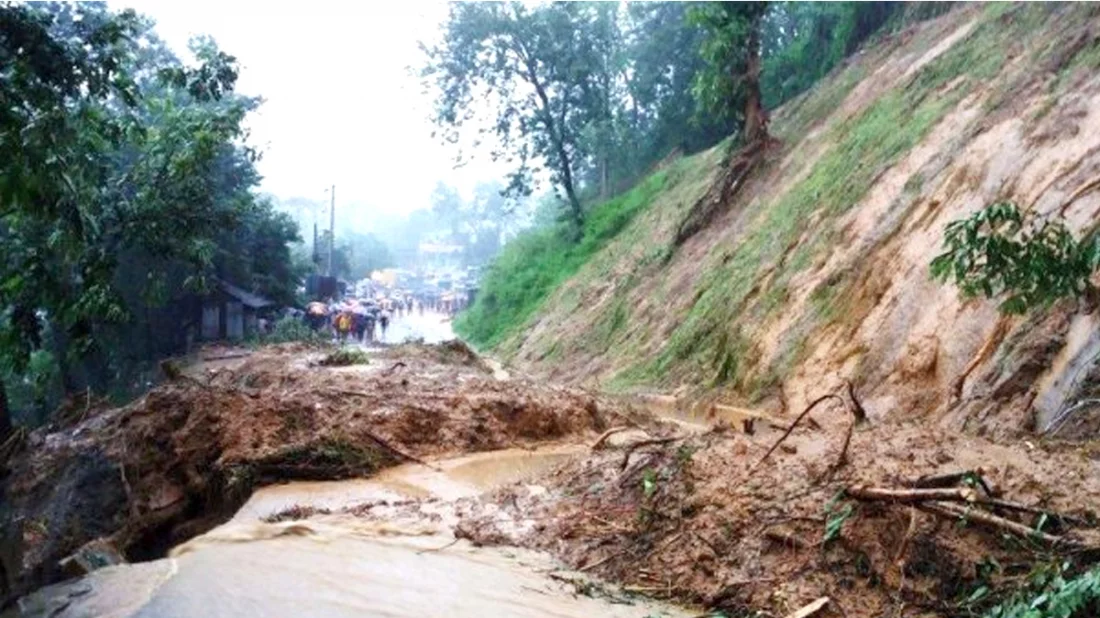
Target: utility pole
331,228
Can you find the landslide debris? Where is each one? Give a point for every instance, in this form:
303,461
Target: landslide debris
887,520
173,464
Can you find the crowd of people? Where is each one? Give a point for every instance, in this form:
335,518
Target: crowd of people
357,319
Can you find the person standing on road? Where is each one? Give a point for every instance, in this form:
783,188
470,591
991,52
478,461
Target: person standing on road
384,322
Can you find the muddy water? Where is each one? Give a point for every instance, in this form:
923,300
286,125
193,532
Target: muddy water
338,565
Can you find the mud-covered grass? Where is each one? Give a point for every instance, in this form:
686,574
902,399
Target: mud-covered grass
789,234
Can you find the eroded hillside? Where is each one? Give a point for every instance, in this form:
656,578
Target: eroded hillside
817,271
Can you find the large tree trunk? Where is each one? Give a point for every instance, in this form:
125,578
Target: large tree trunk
557,137
756,121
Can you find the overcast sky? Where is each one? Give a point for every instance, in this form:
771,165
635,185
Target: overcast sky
340,104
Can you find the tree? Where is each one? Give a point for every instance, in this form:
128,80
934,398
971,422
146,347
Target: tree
730,86
125,191
535,66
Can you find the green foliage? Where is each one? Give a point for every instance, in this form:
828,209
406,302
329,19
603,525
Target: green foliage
649,483
289,330
125,191
731,50
345,357
1032,261
1050,594
534,264
837,513
546,73
803,41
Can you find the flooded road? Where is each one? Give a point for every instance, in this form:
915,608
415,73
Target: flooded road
340,565
430,326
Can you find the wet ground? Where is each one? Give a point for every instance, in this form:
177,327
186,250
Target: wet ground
431,327
343,565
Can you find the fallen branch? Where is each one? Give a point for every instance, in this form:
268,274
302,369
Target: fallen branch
857,407
793,425
429,550
394,368
1034,510
598,444
785,538
639,444
811,609
911,496
951,479
995,522
605,560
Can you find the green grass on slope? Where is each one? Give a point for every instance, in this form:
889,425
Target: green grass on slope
530,267
711,342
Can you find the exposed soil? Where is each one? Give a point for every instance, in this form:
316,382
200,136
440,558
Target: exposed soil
698,520
183,458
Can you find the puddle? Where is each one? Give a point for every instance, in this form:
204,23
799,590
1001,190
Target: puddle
337,565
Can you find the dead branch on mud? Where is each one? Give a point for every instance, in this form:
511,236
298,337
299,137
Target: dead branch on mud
857,407
639,444
793,425
941,501
811,609
910,496
598,444
394,367
996,523
950,479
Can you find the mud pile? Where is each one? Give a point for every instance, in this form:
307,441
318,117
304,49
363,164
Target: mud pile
139,479
705,518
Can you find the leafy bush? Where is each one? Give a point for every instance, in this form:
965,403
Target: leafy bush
345,357
1034,261
1050,595
289,329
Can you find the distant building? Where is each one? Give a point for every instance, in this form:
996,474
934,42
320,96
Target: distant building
230,311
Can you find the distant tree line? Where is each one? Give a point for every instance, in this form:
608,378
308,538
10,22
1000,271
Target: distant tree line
126,192
593,95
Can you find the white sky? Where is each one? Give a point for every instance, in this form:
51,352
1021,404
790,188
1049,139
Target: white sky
341,105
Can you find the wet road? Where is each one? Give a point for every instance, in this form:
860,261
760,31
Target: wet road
431,327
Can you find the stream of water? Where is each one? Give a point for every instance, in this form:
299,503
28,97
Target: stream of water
339,565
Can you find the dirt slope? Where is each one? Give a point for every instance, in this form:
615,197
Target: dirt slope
818,270
182,459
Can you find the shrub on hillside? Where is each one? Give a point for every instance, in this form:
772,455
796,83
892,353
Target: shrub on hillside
1032,261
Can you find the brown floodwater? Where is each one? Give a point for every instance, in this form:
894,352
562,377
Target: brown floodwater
337,565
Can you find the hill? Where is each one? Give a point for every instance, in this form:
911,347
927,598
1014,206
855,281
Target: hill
816,272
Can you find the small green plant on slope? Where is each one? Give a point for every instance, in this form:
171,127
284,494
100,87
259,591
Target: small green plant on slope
1049,594
1031,261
